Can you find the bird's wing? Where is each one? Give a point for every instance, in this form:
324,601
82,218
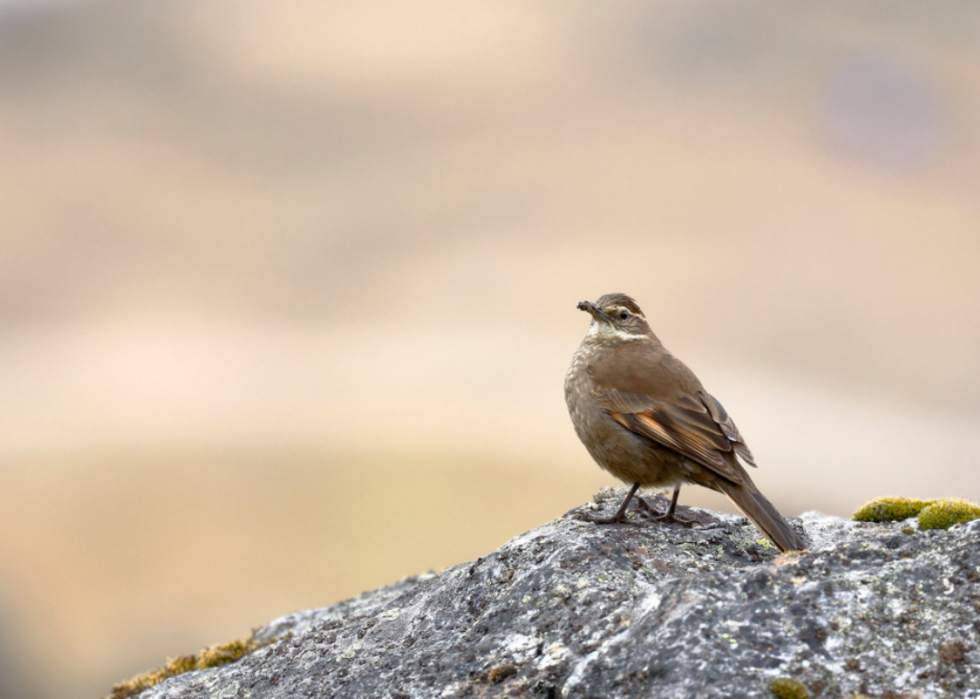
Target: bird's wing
724,421
660,398
697,426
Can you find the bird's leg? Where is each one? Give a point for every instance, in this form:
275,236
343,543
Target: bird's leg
620,515
668,514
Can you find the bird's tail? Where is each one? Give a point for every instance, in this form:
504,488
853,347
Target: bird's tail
761,512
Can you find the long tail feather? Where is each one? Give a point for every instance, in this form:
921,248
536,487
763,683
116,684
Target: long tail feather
763,515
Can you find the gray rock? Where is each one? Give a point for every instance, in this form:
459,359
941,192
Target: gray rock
573,609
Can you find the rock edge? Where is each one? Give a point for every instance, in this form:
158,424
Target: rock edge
573,609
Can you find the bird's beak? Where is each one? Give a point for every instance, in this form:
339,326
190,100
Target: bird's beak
594,311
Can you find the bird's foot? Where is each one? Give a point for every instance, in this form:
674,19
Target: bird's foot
651,510
671,515
618,518
674,518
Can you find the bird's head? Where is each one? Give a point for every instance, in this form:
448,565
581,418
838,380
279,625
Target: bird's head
616,317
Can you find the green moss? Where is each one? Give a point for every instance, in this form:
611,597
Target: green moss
209,657
225,653
890,509
942,514
788,688
933,514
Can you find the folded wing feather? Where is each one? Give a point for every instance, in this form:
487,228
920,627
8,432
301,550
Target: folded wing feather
696,426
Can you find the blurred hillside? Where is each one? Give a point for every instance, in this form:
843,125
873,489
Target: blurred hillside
275,276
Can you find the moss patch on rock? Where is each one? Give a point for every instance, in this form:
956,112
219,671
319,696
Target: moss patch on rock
788,688
890,509
933,514
942,514
209,657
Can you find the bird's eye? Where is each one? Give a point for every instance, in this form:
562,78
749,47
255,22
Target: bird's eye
623,315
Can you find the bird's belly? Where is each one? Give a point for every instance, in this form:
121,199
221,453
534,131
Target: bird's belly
626,455
634,459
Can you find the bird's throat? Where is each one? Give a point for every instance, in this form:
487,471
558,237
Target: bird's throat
605,332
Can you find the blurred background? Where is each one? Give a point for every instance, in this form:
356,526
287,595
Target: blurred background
287,290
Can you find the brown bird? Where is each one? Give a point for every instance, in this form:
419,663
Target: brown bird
646,418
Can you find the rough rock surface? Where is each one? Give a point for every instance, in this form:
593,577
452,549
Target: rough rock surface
573,609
